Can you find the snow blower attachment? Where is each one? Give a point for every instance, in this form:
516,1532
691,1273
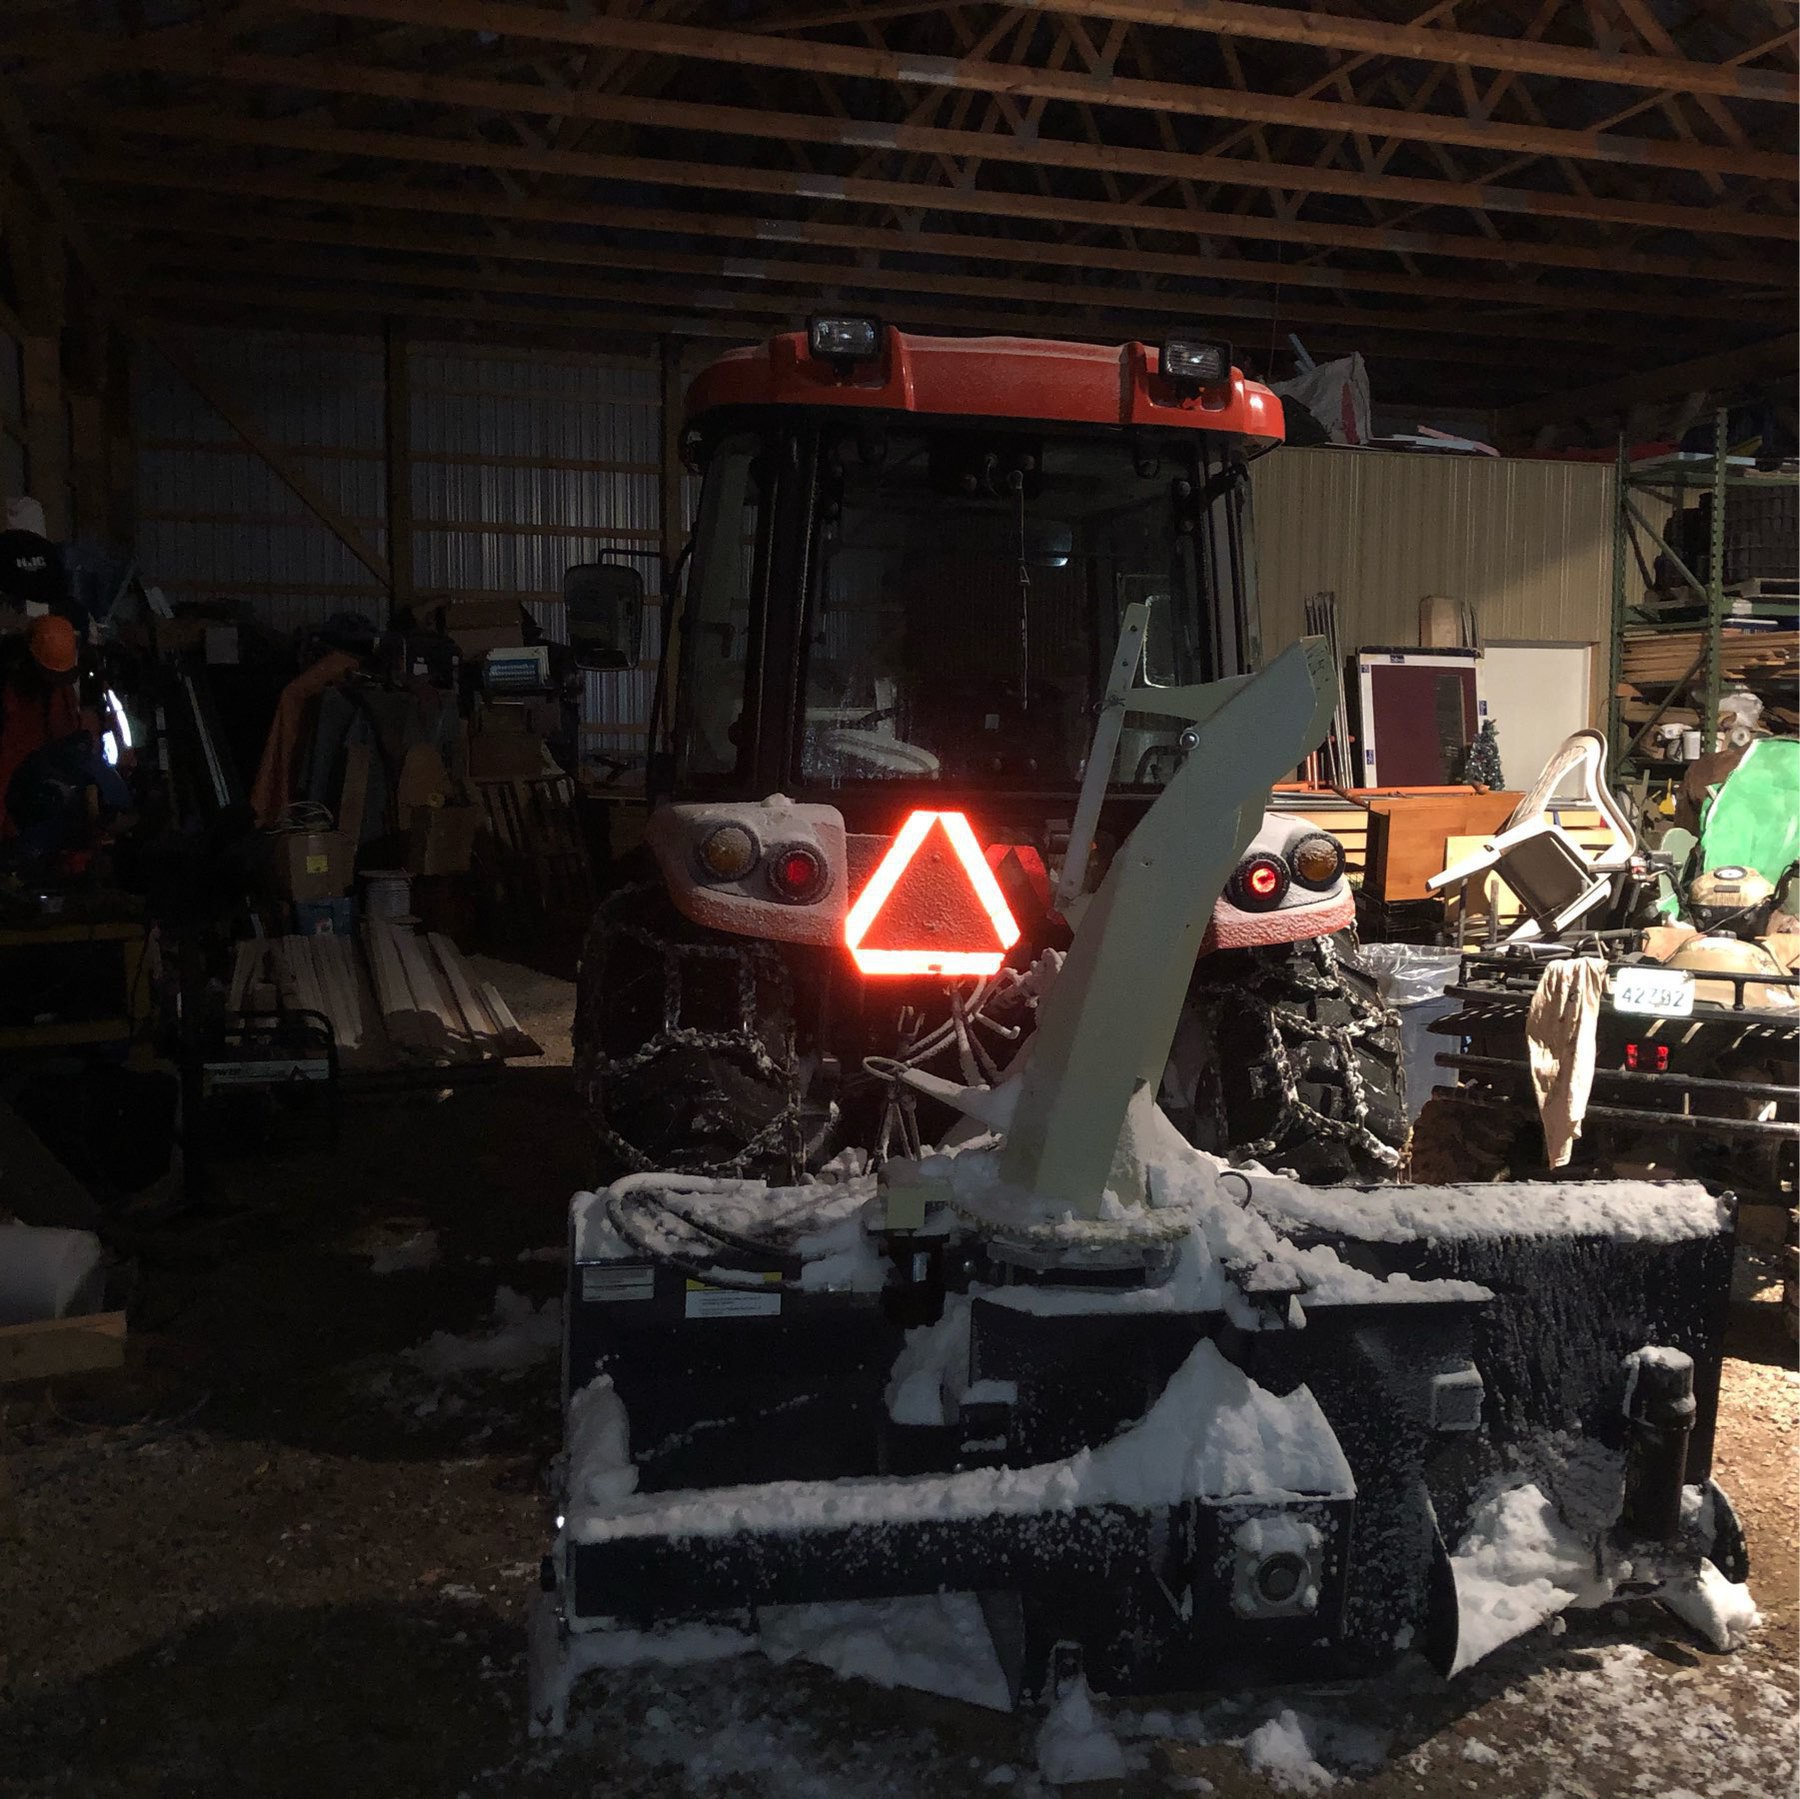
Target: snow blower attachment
1171,1422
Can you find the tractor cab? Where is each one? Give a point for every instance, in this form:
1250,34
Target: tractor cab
913,557
951,607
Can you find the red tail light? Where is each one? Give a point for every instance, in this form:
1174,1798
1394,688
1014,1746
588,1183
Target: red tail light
1652,1058
1259,883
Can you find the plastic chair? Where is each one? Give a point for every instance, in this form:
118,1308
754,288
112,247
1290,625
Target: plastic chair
1557,881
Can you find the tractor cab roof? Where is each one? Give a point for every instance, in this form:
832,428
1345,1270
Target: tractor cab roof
991,378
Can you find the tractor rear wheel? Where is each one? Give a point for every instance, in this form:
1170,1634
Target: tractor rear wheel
1287,1055
684,1044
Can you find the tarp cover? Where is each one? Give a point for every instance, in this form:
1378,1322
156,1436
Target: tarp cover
1754,818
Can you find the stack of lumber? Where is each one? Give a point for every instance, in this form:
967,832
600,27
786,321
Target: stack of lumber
407,999
431,1004
1653,662
317,974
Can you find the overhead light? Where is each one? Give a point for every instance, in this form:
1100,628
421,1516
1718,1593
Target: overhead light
844,340
1195,362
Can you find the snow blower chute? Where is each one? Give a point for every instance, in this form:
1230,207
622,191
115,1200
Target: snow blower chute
1169,1420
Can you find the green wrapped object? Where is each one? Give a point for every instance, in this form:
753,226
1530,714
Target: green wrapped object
1752,819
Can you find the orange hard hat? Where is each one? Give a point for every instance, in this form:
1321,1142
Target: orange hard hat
54,645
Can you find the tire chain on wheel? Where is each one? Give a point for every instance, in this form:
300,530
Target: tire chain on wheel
781,1136
1371,1018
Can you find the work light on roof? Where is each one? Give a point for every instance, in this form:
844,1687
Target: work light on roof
844,339
1195,362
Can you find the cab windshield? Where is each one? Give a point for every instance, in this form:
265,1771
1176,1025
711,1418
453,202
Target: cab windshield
967,589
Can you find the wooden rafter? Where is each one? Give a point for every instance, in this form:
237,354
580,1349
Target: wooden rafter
394,146
1482,320
209,123
806,55
883,241
1607,399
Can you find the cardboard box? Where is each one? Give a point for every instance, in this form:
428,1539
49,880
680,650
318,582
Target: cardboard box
441,839
477,626
505,756
537,717
313,865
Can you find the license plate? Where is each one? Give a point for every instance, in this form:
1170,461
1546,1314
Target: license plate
1663,992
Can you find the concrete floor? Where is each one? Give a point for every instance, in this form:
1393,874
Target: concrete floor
273,1558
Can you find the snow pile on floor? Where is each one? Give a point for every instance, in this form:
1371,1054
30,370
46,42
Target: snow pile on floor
1279,1751
1075,1743
523,1337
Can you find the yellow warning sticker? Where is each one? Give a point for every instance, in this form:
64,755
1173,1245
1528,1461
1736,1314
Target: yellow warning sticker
703,1301
317,865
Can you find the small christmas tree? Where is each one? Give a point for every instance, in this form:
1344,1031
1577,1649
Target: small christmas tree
1481,767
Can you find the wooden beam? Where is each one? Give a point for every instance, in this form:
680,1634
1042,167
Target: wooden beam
209,125
1337,31
1164,303
67,58
659,219
675,309
856,62
1777,357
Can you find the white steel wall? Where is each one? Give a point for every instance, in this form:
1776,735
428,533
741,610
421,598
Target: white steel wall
1528,543
523,463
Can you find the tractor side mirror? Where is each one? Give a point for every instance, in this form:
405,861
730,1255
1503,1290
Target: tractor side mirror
605,606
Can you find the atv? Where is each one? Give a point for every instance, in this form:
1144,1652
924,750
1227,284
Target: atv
1697,1025
911,566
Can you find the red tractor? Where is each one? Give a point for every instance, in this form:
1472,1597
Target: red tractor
913,561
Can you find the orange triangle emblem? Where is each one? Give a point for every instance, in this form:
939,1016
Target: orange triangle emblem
932,906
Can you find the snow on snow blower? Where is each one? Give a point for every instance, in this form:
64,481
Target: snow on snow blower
1171,1419
1358,1420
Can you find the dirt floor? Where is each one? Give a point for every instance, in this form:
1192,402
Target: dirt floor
289,1551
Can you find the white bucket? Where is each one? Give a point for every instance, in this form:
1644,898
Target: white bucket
1690,746
387,893
47,1272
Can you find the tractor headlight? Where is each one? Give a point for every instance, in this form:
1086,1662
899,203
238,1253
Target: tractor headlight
1259,883
1317,861
1196,363
727,853
844,340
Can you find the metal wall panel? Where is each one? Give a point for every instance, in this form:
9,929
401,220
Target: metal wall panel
215,521
1528,544
524,463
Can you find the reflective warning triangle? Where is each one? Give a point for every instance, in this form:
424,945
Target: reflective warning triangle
932,906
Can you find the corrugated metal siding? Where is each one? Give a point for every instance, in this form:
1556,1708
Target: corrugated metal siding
214,521
1529,544
524,463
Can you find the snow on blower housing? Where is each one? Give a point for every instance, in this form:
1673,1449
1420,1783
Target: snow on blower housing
1121,1357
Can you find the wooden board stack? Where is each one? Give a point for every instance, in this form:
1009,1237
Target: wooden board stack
431,1005
406,1000
1652,662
